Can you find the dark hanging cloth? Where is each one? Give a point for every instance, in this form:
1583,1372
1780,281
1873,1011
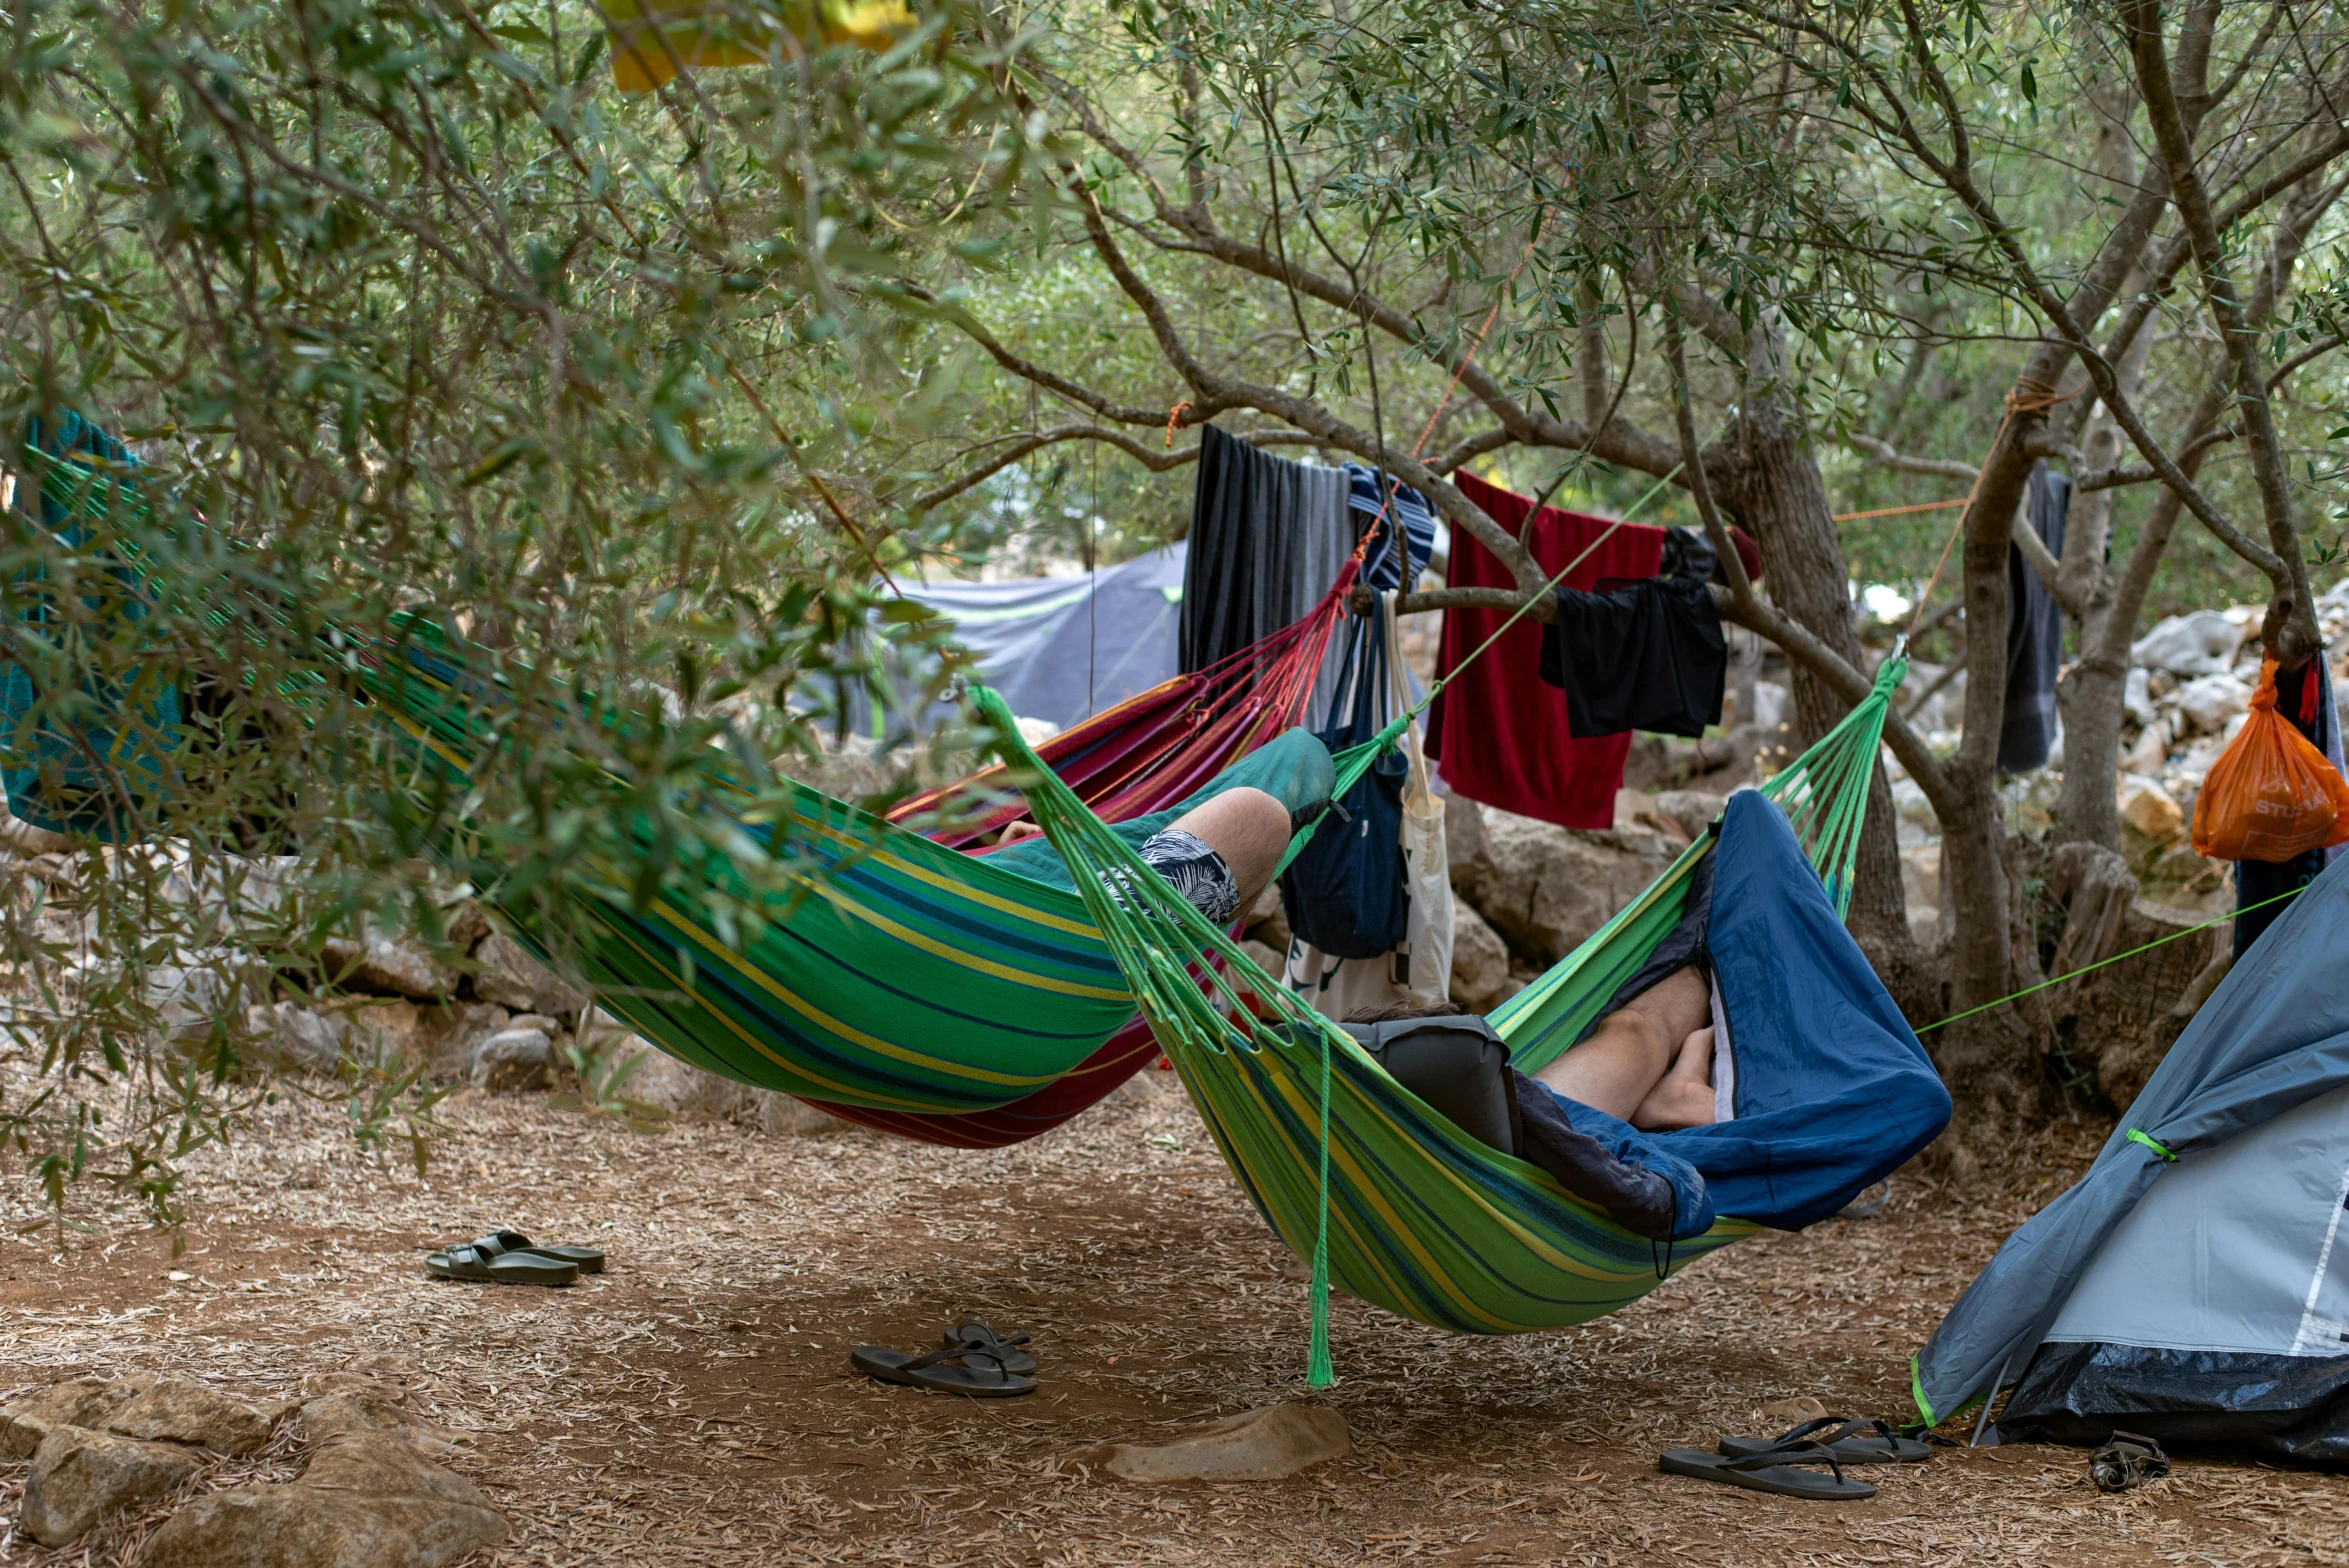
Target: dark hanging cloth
1346,892
1267,538
1645,655
2304,697
2034,629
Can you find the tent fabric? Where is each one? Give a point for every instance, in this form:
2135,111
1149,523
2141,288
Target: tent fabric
2272,1038
1833,1092
1062,649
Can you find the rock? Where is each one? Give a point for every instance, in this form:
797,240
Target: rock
1268,922
514,1059
510,977
85,1401
1693,810
2210,702
289,1037
1543,888
682,1090
1272,963
2148,808
383,1463
361,1410
1778,1415
182,1412
1772,705
1260,1445
1908,799
2202,643
2151,750
2137,695
442,1039
79,1475
302,1526
191,996
1480,963
388,964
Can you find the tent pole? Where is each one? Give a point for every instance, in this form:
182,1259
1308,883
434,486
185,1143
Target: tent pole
1996,1384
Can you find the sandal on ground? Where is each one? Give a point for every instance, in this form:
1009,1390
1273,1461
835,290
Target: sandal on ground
955,1369
471,1262
1852,1442
1772,1470
1006,1351
2127,1460
589,1259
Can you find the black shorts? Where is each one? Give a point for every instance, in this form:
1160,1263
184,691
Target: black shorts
1196,871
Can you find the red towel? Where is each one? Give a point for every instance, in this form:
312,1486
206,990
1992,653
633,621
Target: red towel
1499,732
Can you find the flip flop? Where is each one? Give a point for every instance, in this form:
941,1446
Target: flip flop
1006,1352
589,1259
955,1369
1852,1442
469,1262
1772,1470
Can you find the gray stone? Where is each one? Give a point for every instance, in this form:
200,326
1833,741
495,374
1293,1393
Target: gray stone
85,1401
388,964
180,1412
441,1039
1480,963
79,1476
2137,695
514,1059
2202,643
510,977
303,1526
383,1463
2213,702
370,1409
290,1037
1545,888
1260,1445
1692,810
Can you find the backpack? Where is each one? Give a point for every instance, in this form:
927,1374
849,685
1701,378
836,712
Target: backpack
1346,892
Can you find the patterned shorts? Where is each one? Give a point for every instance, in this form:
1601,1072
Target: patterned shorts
1197,872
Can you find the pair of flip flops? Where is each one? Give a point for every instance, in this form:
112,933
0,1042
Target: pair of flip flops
507,1257
972,1360
1786,1465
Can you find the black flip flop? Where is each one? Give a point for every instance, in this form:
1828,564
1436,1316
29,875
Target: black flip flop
1772,1470
1852,1442
469,1262
1006,1352
955,1369
589,1259
2127,1460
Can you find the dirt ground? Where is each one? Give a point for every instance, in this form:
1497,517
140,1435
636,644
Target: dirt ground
694,1405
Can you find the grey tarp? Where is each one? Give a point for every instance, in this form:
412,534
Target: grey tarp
2274,1036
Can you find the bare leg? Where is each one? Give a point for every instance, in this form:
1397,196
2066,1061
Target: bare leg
1685,1097
1249,829
1619,1066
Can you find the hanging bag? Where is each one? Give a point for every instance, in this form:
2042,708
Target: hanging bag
2270,795
1426,967
1345,893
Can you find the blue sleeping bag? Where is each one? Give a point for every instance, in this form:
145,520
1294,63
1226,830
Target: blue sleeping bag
1832,1091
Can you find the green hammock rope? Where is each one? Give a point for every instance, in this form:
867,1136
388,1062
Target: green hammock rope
1390,1201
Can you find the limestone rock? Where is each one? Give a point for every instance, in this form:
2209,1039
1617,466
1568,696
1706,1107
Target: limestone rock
180,1412
1778,1415
2202,643
2148,808
361,1410
442,1039
1693,810
388,964
684,1091
1545,888
385,1464
85,1401
1480,963
2211,702
79,1475
290,1037
514,1059
1259,1445
510,977
2137,695
302,1526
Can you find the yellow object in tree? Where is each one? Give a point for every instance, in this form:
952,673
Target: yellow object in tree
653,39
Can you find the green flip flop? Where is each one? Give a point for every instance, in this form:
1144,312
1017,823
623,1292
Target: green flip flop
469,1262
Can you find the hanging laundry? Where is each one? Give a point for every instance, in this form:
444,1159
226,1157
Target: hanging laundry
2034,629
1408,513
1499,735
1268,536
1645,655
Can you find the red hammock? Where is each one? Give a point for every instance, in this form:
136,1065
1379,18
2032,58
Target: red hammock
1143,755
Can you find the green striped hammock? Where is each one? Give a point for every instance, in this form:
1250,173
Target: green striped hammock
1390,1201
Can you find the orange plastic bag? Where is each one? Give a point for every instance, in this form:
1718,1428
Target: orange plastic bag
2271,795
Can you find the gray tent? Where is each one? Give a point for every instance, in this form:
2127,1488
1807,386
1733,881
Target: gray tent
2194,1285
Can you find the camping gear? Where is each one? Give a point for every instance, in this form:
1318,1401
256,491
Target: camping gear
1787,1472
590,1260
976,1335
2270,795
1401,1208
1345,891
1871,1442
2193,1286
950,1369
1455,1062
2034,629
2127,1461
475,1262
